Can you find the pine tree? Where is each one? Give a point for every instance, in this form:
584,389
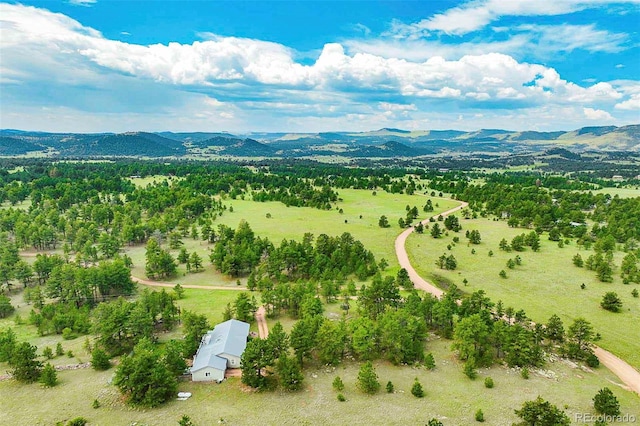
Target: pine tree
26,368
338,384
416,389
100,360
368,379
49,376
289,373
389,387
611,302
605,402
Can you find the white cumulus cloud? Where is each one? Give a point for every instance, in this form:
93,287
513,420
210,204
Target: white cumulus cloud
596,114
476,14
49,57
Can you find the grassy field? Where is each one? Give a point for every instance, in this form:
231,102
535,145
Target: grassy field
361,212
450,397
22,205
293,222
546,283
27,332
211,303
207,277
142,182
625,192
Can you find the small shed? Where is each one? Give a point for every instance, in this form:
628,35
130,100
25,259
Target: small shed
220,348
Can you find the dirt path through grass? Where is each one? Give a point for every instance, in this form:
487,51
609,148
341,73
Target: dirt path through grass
403,257
261,318
196,287
625,372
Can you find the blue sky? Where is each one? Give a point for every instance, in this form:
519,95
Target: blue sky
308,66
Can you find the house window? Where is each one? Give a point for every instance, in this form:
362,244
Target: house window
207,374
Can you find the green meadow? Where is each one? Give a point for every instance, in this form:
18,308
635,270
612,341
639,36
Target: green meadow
546,283
361,212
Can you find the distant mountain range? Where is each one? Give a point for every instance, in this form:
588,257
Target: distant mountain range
383,143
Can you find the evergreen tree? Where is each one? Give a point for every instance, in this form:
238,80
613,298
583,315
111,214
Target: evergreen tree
611,302
49,376
605,402
474,237
429,361
196,262
8,343
389,387
577,260
304,335
47,352
278,341
541,413
555,329
183,256
100,360
255,358
289,373
416,389
144,378
194,326
6,308
403,280
337,384
368,379
26,368
245,308
172,357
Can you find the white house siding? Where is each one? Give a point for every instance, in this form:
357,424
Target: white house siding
213,375
232,360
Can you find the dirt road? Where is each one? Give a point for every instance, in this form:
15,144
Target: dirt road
629,375
625,372
261,318
403,257
197,287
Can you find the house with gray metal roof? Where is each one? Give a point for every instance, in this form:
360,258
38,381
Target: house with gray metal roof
220,348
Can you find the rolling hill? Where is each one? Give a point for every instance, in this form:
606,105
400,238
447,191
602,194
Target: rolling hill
382,143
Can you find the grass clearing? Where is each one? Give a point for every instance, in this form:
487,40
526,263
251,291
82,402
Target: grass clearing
293,222
546,283
22,205
143,182
208,276
450,396
624,192
211,303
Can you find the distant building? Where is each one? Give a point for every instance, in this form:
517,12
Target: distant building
220,348
617,178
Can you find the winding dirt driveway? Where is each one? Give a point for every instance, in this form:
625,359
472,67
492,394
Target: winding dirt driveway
625,372
403,257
